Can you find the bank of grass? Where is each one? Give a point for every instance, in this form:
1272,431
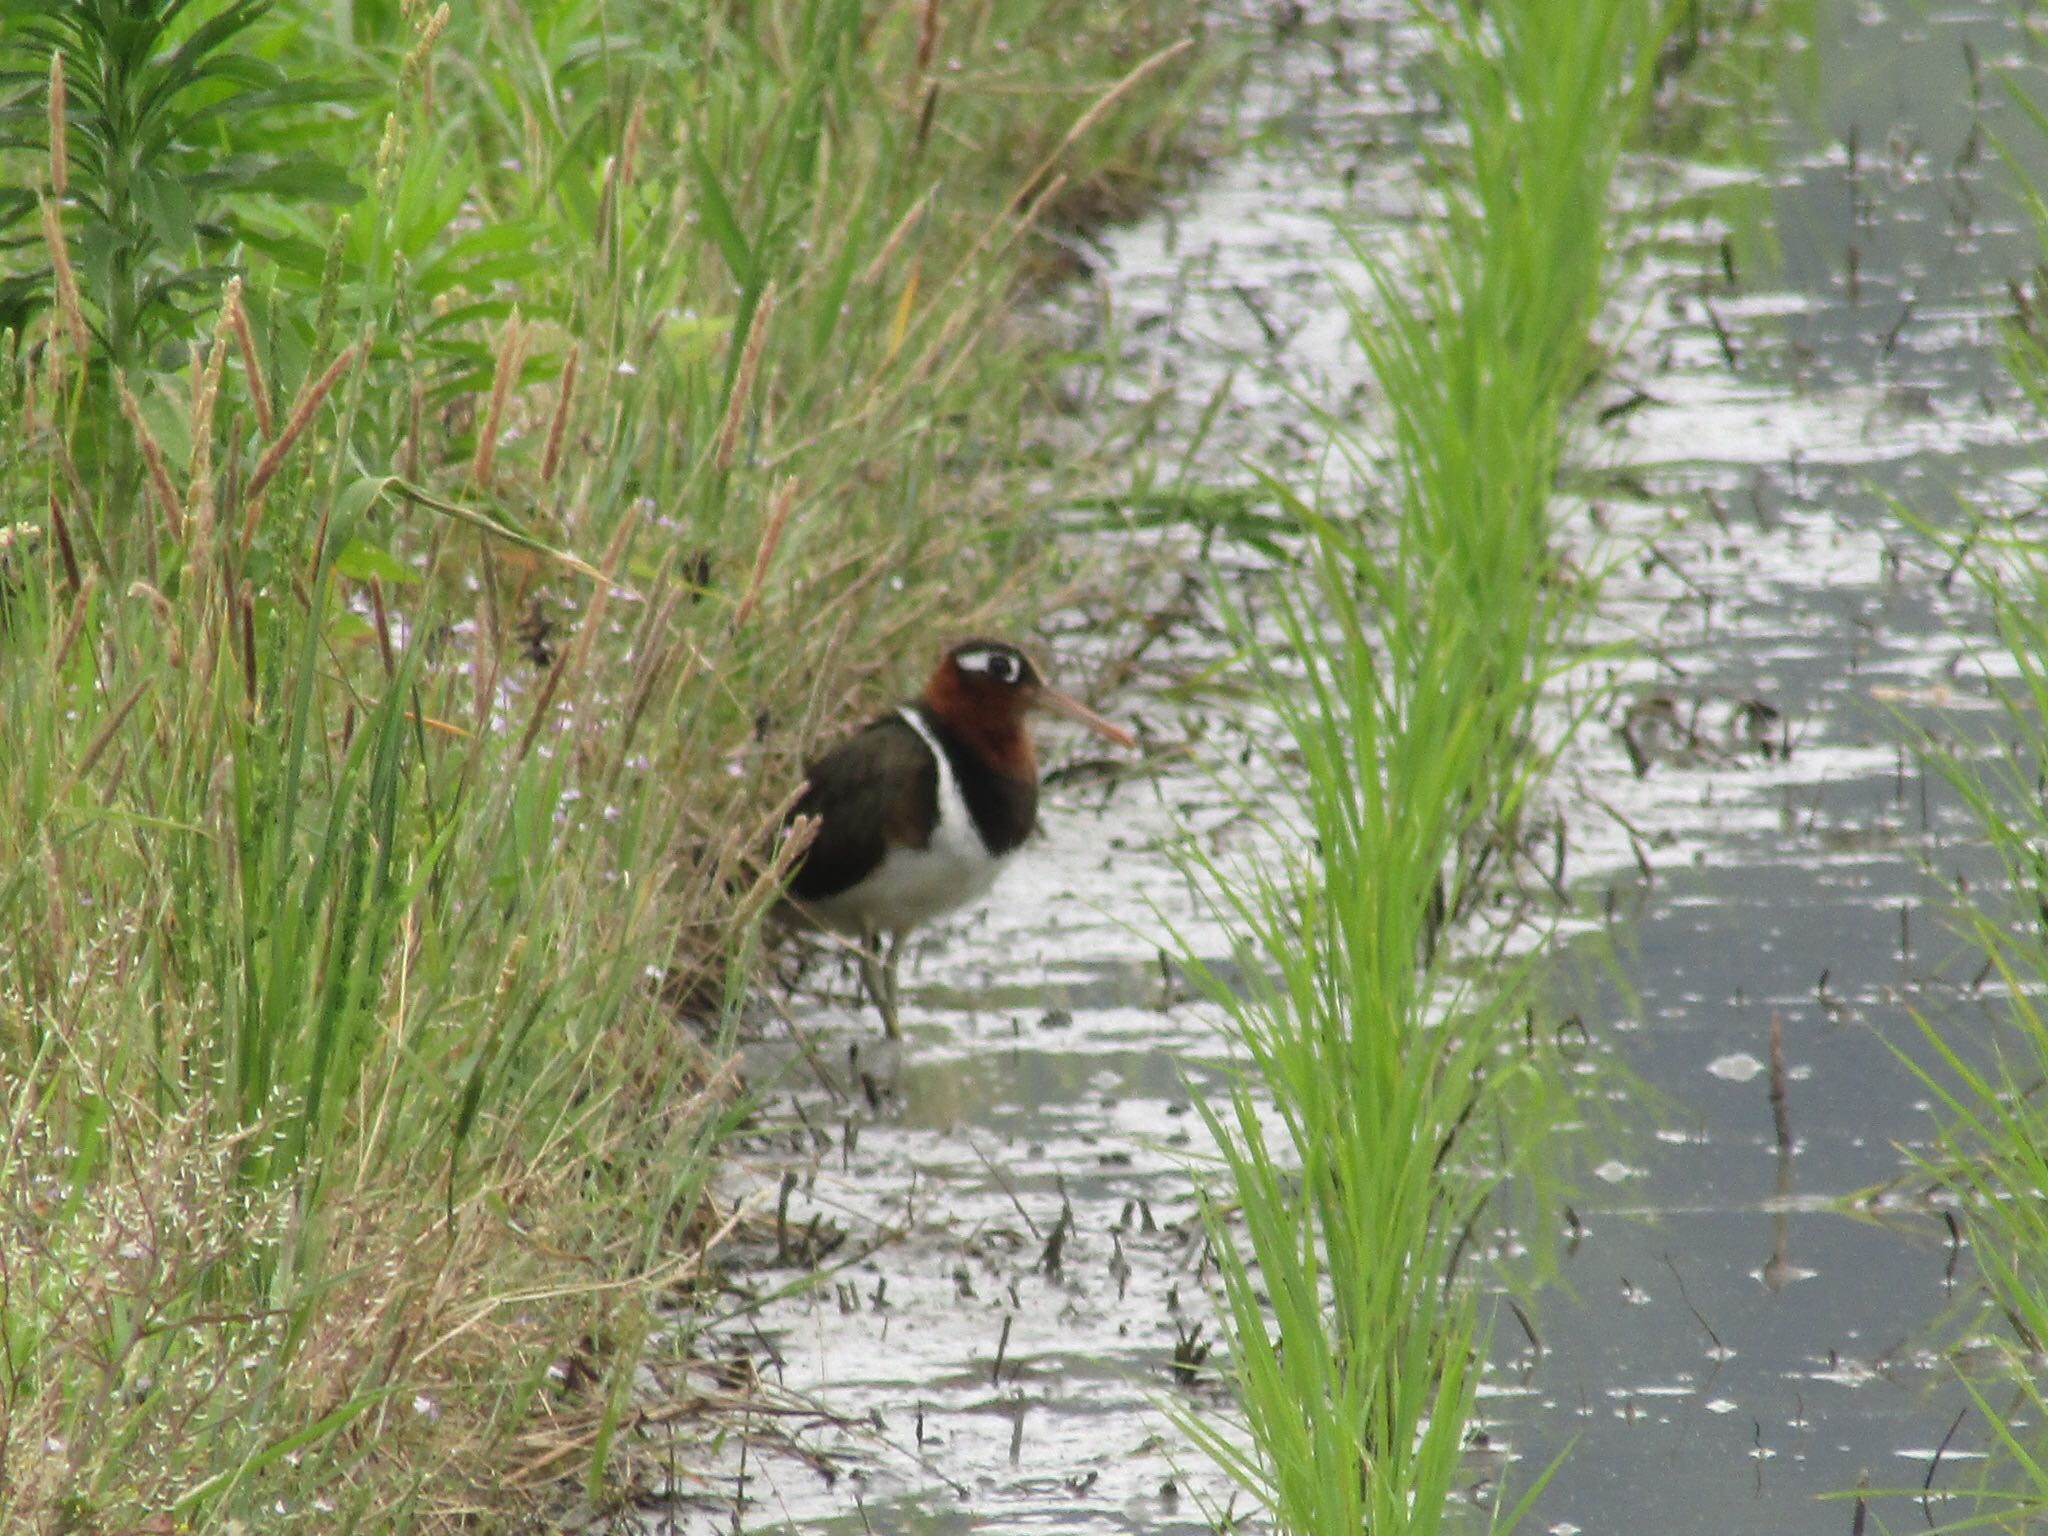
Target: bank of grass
1392,1083
452,462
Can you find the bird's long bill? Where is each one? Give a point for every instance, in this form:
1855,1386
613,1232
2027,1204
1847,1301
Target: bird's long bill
1060,704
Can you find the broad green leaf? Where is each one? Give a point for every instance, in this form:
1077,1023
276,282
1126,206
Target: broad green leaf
359,561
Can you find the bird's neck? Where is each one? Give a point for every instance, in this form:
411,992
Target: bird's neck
996,738
995,773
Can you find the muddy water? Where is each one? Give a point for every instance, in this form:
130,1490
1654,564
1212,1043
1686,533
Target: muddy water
977,1260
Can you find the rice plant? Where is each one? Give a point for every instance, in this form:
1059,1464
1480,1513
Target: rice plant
1993,1125
1411,662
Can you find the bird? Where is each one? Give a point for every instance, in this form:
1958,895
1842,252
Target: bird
919,810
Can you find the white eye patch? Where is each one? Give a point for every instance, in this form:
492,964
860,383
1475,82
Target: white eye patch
998,666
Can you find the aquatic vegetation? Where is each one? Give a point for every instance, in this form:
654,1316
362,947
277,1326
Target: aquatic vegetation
1407,670
1992,1149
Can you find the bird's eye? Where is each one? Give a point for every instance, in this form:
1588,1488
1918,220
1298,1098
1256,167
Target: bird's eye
1002,668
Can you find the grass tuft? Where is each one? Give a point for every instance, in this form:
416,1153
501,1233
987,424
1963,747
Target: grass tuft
1389,1092
1992,1151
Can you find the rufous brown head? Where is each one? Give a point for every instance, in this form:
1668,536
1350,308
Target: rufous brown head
985,687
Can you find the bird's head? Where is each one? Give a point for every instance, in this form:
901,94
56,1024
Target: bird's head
983,688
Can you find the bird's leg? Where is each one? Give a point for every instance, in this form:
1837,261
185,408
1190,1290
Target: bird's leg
892,977
878,977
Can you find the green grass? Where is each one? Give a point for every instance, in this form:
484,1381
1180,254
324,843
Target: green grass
446,490
1992,1146
1411,657
1993,1122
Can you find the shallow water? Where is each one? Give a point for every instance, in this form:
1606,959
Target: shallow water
1750,1333
1737,1333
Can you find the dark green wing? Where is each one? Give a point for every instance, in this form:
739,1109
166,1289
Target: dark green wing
876,790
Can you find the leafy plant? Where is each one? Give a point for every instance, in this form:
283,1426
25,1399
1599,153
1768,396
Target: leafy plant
155,121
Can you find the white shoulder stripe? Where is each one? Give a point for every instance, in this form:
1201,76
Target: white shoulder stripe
954,818
949,792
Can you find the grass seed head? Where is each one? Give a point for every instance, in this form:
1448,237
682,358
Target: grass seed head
565,391
237,317
504,378
743,381
60,159
771,536
199,470
168,500
302,415
68,305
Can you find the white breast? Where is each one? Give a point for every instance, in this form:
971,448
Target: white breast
911,886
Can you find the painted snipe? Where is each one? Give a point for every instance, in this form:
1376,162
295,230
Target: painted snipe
920,809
